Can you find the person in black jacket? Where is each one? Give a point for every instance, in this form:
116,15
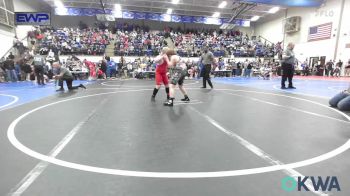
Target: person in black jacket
104,68
2,72
9,66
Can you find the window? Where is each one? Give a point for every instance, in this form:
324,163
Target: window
6,12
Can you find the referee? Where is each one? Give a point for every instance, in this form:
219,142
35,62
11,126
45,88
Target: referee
288,62
65,75
39,64
207,59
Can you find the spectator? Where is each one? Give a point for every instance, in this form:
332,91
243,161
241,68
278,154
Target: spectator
234,69
104,68
18,70
92,69
111,68
26,70
347,69
248,70
329,68
338,68
2,72
11,56
10,70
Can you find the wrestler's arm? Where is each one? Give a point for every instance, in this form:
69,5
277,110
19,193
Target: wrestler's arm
159,59
166,59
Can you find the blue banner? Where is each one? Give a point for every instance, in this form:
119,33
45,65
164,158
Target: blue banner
175,18
225,20
151,16
128,15
187,19
211,20
198,19
140,15
148,16
165,18
294,3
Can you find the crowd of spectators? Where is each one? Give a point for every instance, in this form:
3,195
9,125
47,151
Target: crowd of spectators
16,69
68,41
142,67
223,44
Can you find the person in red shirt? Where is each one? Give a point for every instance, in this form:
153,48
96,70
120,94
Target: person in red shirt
92,68
161,73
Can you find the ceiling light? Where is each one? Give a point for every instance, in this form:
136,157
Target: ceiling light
59,4
274,10
222,4
255,18
117,7
169,11
175,1
216,14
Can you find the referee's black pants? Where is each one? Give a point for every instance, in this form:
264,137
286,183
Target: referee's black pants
69,83
206,76
39,73
287,73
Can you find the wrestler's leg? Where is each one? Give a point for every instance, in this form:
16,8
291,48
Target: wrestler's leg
183,90
166,84
158,84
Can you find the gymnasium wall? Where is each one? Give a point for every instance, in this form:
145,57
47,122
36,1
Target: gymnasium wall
329,12
344,38
6,37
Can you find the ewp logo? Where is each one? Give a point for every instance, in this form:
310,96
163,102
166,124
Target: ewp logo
32,18
305,183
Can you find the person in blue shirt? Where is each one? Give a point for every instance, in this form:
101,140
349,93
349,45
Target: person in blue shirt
18,70
111,68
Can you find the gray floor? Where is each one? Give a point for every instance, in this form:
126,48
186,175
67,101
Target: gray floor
123,129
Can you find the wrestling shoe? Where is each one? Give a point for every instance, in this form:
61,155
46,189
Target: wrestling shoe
186,99
60,89
283,87
82,86
169,103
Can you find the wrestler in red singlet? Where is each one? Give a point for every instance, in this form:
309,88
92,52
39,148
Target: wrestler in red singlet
161,74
